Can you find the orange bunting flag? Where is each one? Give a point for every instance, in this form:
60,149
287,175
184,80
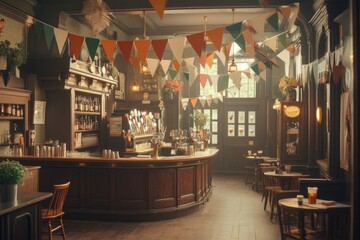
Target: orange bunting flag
210,59
202,60
159,47
216,36
125,49
76,43
261,65
203,79
176,65
250,50
193,102
196,40
159,6
291,49
143,47
248,36
135,61
109,48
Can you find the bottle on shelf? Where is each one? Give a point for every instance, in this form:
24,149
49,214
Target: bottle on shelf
21,111
2,110
18,111
76,103
8,110
13,110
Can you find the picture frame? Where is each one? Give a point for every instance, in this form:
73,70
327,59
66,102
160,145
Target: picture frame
120,90
115,126
39,112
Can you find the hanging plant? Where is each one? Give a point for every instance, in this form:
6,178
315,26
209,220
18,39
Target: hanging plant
14,56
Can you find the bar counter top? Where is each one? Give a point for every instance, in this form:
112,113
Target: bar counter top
128,189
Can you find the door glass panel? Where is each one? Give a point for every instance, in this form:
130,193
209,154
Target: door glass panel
292,138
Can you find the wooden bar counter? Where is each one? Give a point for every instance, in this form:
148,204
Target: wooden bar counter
128,189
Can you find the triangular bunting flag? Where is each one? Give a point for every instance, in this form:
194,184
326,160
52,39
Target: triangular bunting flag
221,57
92,45
220,95
240,41
247,73
177,46
315,72
159,47
236,78
285,11
49,35
258,22
135,61
250,50
176,65
255,68
39,28
189,60
203,79
209,100
159,6
165,64
223,82
216,36
202,60
193,102
215,99
227,49
172,73
197,41
109,48
263,75
210,59
202,101
272,43
76,42
282,40
214,79
261,65
60,37
143,47
152,64
186,76
125,49
184,103
234,29
285,57
273,21
248,36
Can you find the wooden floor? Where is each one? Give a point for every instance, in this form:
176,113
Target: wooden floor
234,211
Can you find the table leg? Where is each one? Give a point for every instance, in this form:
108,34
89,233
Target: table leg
301,225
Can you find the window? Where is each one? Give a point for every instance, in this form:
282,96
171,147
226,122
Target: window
209,89
248,85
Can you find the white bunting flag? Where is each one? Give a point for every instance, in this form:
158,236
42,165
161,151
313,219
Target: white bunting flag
165,65
152,65
214,80
61,37
236,78
285,57
177,46
184,103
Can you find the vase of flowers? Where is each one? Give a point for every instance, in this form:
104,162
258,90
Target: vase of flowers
171,88
10,58
287,88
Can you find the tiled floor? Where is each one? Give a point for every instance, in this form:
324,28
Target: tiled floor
233,212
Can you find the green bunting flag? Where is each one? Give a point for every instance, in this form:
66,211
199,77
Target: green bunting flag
186,75
234,29
92,45
255,68
172,73
38,29
273,20
282,39
223,82
240,41
49,35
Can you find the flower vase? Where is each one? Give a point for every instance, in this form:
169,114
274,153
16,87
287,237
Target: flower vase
169,95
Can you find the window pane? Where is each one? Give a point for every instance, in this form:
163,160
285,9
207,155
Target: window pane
248,85
209,89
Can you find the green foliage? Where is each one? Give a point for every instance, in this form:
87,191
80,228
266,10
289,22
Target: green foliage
14,56
11,172
200,119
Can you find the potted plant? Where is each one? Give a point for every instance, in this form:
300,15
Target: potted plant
170,88
200,119
10,58
12,173
287,88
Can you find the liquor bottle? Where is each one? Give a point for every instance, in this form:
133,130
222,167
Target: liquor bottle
21,111
2,110
76,103
86,104
96,124
91,106
96,105
81,104
13,110
8,110
18,110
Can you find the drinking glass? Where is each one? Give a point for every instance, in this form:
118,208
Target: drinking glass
312,194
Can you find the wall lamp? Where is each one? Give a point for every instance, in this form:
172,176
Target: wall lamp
319,114
2,25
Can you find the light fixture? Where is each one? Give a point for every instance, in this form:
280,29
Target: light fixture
144,68
206,38
233,66
319,114
2,25
135,88
277,105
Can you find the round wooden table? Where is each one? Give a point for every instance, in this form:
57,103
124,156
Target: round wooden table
257,160
292,203
285,179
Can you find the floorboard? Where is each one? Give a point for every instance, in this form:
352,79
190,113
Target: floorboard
234,212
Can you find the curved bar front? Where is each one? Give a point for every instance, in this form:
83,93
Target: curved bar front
128,189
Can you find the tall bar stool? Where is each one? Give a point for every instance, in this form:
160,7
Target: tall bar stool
55,209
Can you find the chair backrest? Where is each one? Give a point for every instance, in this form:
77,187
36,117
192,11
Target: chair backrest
327,189
268,181
58,199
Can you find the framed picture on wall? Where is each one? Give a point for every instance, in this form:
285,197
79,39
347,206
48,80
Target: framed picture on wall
120,90
39,112
115,126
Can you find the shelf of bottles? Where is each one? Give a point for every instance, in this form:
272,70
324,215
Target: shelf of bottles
142,127
10,111
87,126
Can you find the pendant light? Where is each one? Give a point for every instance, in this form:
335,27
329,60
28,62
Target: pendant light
233,66
144,67
206,38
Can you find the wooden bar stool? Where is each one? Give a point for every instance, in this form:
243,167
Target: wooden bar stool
55,209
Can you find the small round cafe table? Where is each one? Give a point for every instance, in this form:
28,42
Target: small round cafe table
257,160
319,207
285,179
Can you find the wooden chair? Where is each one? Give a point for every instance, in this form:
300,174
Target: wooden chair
55,209
269,185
